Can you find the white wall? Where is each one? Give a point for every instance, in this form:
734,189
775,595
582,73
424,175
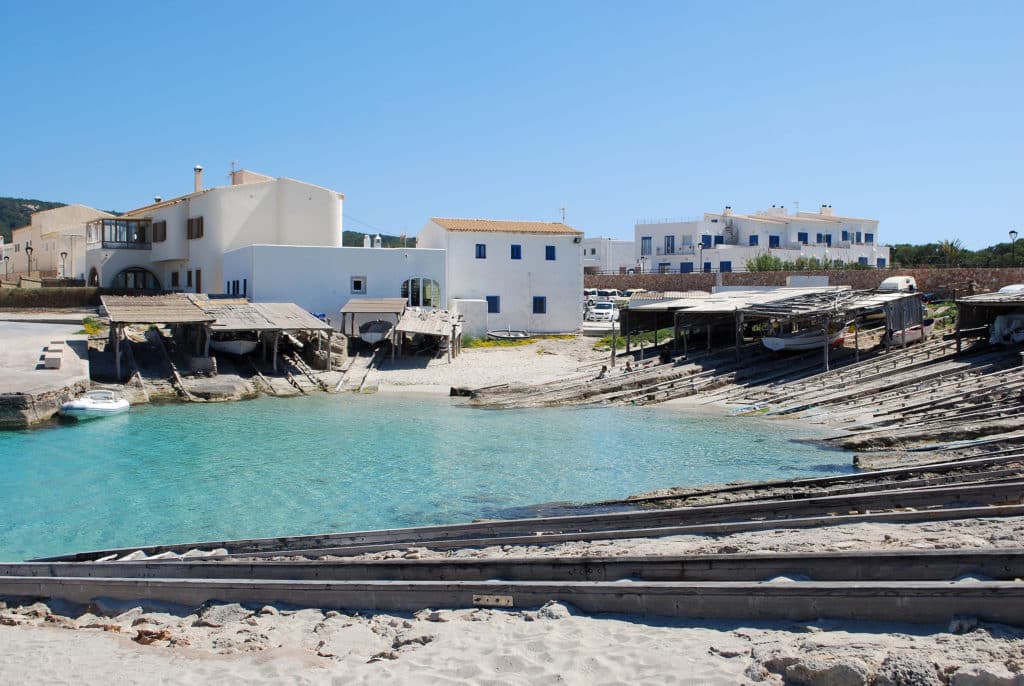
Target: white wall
279,211
319,278
516,282
608,255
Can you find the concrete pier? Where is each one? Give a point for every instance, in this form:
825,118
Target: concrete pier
31,393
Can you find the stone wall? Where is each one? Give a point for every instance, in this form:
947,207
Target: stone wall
21,410
941,281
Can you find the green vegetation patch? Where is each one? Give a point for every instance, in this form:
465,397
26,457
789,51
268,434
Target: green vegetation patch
471,342
91,325
645,337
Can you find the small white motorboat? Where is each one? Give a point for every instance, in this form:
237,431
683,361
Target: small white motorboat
376,331
94,404
233,346
508,335
912,334
808,339
1007,329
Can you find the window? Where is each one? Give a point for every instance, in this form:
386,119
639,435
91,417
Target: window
159,231
670,245
828,239
869,238
199,281
705,240
421,291
664,267
774,241
227,288
245,287
858,237
725,266
802,237
593,251
175,281
686,267
862,260
846,235
494,304
517,251
188,279
540,304
719,239
880,263
358,285
549,252
481,251
707,267
819,239
238,288
753,239
645,245
194,228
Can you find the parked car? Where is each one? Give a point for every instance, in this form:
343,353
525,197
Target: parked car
589,295
608,294
602,312
899,283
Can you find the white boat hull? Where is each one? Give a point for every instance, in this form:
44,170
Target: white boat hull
93,407
508,335
234,347
801,341
913,334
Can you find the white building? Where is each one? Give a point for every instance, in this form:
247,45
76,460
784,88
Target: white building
726,241
608,255
56,238
179,244
529,273
323,279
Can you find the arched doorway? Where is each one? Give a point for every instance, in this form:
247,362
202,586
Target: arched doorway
94,278
136,279
421,292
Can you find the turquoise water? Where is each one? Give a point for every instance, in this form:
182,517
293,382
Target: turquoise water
176,473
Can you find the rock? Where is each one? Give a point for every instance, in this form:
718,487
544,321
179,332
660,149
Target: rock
962,624
166,555
819,672
157,619
332,614
990,674
268,610
61,621
131,557
218,552
36,610
554,610
10,620
385,655
219,615
419,639
439,616
128,617
147,636
907,670
107,558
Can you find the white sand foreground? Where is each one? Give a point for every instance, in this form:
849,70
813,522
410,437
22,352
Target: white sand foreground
231,644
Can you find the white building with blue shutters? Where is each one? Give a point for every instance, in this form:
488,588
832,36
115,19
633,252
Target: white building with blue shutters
725,241
529,273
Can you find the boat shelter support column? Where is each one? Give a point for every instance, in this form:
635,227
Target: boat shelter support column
615,342
739,332
824,328
856,340
629,337
903,325
206,340
116,333
277,337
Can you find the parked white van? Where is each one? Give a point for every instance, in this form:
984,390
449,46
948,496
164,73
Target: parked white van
899,283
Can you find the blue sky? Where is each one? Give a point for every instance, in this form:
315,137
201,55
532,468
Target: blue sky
909,112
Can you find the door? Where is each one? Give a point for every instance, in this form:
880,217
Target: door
199,281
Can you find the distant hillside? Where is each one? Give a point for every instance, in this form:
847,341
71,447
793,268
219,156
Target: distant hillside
17,212
354,239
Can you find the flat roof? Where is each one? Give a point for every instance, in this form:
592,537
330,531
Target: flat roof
242,315
997,299
173,308
783,301
374,306
429,322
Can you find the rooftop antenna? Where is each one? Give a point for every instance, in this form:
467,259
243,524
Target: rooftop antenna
231,174
563,214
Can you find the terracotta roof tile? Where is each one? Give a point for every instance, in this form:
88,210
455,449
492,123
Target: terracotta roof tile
497,226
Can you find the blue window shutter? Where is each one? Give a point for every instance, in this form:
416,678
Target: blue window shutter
517,252
493,304
725,266
753,239
481,251
549,252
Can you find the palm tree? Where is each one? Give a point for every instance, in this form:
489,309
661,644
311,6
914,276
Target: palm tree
951,250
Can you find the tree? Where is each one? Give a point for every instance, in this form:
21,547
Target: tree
951,251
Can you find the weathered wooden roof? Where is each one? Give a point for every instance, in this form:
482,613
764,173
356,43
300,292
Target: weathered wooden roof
374,306
429,322
174,308
1013,298
240,315
291,317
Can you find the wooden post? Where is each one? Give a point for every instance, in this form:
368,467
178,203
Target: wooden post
206,340
739,332
277,337
615,342
629,336
824,328
708,325
903,324
116,331
856,340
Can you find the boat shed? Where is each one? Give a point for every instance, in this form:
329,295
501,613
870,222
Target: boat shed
977,313
269,321
369,309
443,325
174,309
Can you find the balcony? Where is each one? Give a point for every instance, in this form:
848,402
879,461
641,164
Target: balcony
119,234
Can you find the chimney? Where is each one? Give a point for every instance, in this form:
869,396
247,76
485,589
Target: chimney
157,198
366,240
376,241
727,211
826,210
199,177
